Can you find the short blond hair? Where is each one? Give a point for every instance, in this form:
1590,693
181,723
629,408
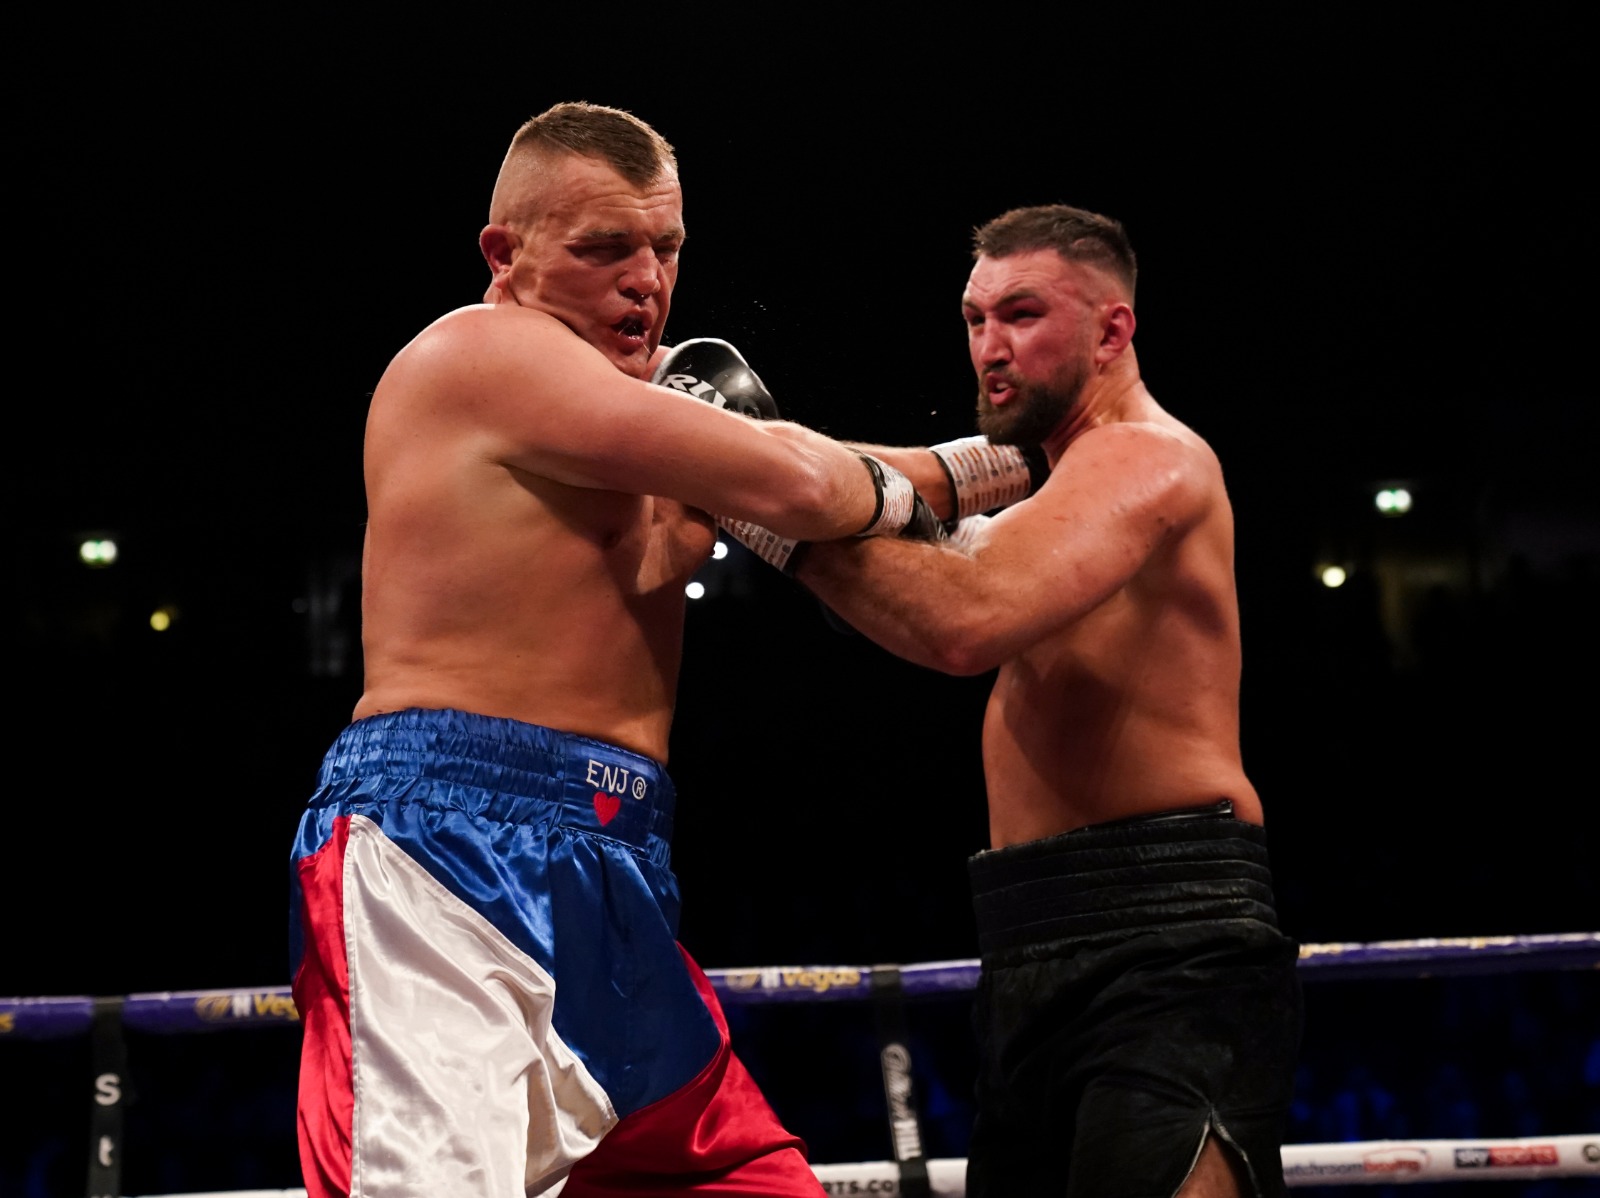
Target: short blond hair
616,137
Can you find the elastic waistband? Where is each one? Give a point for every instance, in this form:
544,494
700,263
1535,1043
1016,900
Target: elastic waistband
1146,872
514,766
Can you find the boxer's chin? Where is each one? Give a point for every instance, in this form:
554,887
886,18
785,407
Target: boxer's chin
636,364
630,356
1032,412
627,344
996,423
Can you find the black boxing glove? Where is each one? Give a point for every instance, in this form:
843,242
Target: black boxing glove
985,477
714,371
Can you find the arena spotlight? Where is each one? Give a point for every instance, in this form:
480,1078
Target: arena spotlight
1393,501
1332,576
162,618
720,549
695,590
97,552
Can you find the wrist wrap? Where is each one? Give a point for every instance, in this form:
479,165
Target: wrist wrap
776,551
896,499
983,476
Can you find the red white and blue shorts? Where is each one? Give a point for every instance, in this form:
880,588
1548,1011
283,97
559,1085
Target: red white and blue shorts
485,962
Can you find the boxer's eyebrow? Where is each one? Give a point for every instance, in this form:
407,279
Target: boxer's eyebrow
1018,296
1021,295
604,235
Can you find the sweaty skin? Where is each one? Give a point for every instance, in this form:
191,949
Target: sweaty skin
535,507
1106,601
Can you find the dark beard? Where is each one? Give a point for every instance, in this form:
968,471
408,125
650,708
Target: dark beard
1036,411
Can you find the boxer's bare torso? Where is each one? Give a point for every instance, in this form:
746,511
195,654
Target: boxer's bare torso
519,559
515,562
1133,707
1105,601
490,588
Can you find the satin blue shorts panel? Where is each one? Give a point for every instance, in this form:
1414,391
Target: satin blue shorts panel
561,843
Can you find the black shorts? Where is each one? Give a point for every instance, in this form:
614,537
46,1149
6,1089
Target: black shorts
1135,995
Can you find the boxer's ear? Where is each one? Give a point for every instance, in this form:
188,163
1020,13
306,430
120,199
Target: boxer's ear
1116,331
499,244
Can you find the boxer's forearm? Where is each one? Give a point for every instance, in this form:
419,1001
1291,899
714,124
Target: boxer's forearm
914,599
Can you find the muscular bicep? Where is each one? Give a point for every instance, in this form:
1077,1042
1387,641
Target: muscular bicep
1035,568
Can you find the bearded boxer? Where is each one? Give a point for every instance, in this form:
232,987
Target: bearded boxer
1138,1013
484,937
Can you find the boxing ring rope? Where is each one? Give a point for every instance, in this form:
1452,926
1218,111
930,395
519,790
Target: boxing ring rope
887,987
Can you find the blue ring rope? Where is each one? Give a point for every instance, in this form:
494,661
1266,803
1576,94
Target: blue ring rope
213,1010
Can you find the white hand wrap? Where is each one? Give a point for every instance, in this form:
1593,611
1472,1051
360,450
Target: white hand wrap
763,542
896,496
983,476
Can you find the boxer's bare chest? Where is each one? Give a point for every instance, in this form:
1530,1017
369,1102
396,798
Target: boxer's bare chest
648,543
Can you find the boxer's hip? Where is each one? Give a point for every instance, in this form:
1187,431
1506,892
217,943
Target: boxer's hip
1194,866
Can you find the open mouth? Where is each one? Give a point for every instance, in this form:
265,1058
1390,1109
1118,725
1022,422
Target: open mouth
631,328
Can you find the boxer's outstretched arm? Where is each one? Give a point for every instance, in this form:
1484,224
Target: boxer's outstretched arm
1118,496
541,400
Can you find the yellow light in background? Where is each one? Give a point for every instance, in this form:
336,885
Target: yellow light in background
97,553
162,618
1393,501
1332,576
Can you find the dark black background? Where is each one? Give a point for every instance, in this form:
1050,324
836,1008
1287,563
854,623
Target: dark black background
1367,256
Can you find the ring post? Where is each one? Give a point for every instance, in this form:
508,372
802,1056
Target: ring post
109,1064
894,1057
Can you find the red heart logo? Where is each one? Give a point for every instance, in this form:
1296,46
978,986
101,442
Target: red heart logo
606,806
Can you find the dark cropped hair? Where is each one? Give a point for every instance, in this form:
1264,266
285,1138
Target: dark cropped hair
1075,233
632,148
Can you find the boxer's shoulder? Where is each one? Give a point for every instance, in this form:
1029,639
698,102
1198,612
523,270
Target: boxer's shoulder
485,358
463,336
1160,461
